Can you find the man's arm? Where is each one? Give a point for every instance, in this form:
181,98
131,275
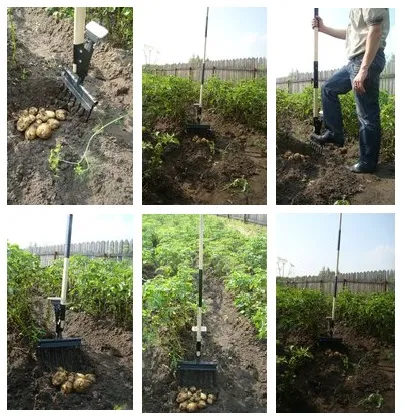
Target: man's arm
372,46
336,33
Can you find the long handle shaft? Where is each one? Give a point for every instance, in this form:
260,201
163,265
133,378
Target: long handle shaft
66,260
204,58
200,284
337,269
315,99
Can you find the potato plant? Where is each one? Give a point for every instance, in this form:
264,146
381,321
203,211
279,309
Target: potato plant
244,101
23,277
303,312
97,286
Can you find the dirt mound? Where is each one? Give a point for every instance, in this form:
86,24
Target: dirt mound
305,177
359,377
107,352
231,341
43,48
197,172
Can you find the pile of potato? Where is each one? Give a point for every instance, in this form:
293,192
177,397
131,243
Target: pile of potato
200,140
71,381
36,122
289,155
193,399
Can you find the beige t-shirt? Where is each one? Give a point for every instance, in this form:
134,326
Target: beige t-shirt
357,30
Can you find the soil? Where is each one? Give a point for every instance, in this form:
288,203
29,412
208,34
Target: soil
313,178
43,48
195,172
106,352
344,379
231,341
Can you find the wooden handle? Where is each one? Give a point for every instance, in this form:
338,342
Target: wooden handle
79,25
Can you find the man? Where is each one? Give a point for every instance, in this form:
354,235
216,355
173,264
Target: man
365,42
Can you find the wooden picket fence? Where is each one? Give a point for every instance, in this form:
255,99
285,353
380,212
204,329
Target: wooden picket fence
368,281
119,250
238,69
258,219
296,82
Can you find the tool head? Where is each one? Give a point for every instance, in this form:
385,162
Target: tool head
200,374
75,90
315,145
65,352
201,130
333,343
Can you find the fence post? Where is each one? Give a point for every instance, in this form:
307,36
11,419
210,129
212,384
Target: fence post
289,86
244,218
344,284
190,73
254,73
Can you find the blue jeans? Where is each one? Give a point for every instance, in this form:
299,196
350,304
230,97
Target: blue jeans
367,106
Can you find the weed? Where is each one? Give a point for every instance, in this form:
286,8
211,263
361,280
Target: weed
13,38
155,145
374,401
241,183
24,74
55,158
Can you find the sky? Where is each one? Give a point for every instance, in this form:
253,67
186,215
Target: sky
294,46
309,242
50,228
177,33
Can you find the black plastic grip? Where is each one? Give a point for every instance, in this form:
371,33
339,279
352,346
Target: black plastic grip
203,73
200,278
68,235
316,78
338,247
198,346
316,12
335,287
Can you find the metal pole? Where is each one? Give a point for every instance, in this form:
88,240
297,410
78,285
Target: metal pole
200,282
317,125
